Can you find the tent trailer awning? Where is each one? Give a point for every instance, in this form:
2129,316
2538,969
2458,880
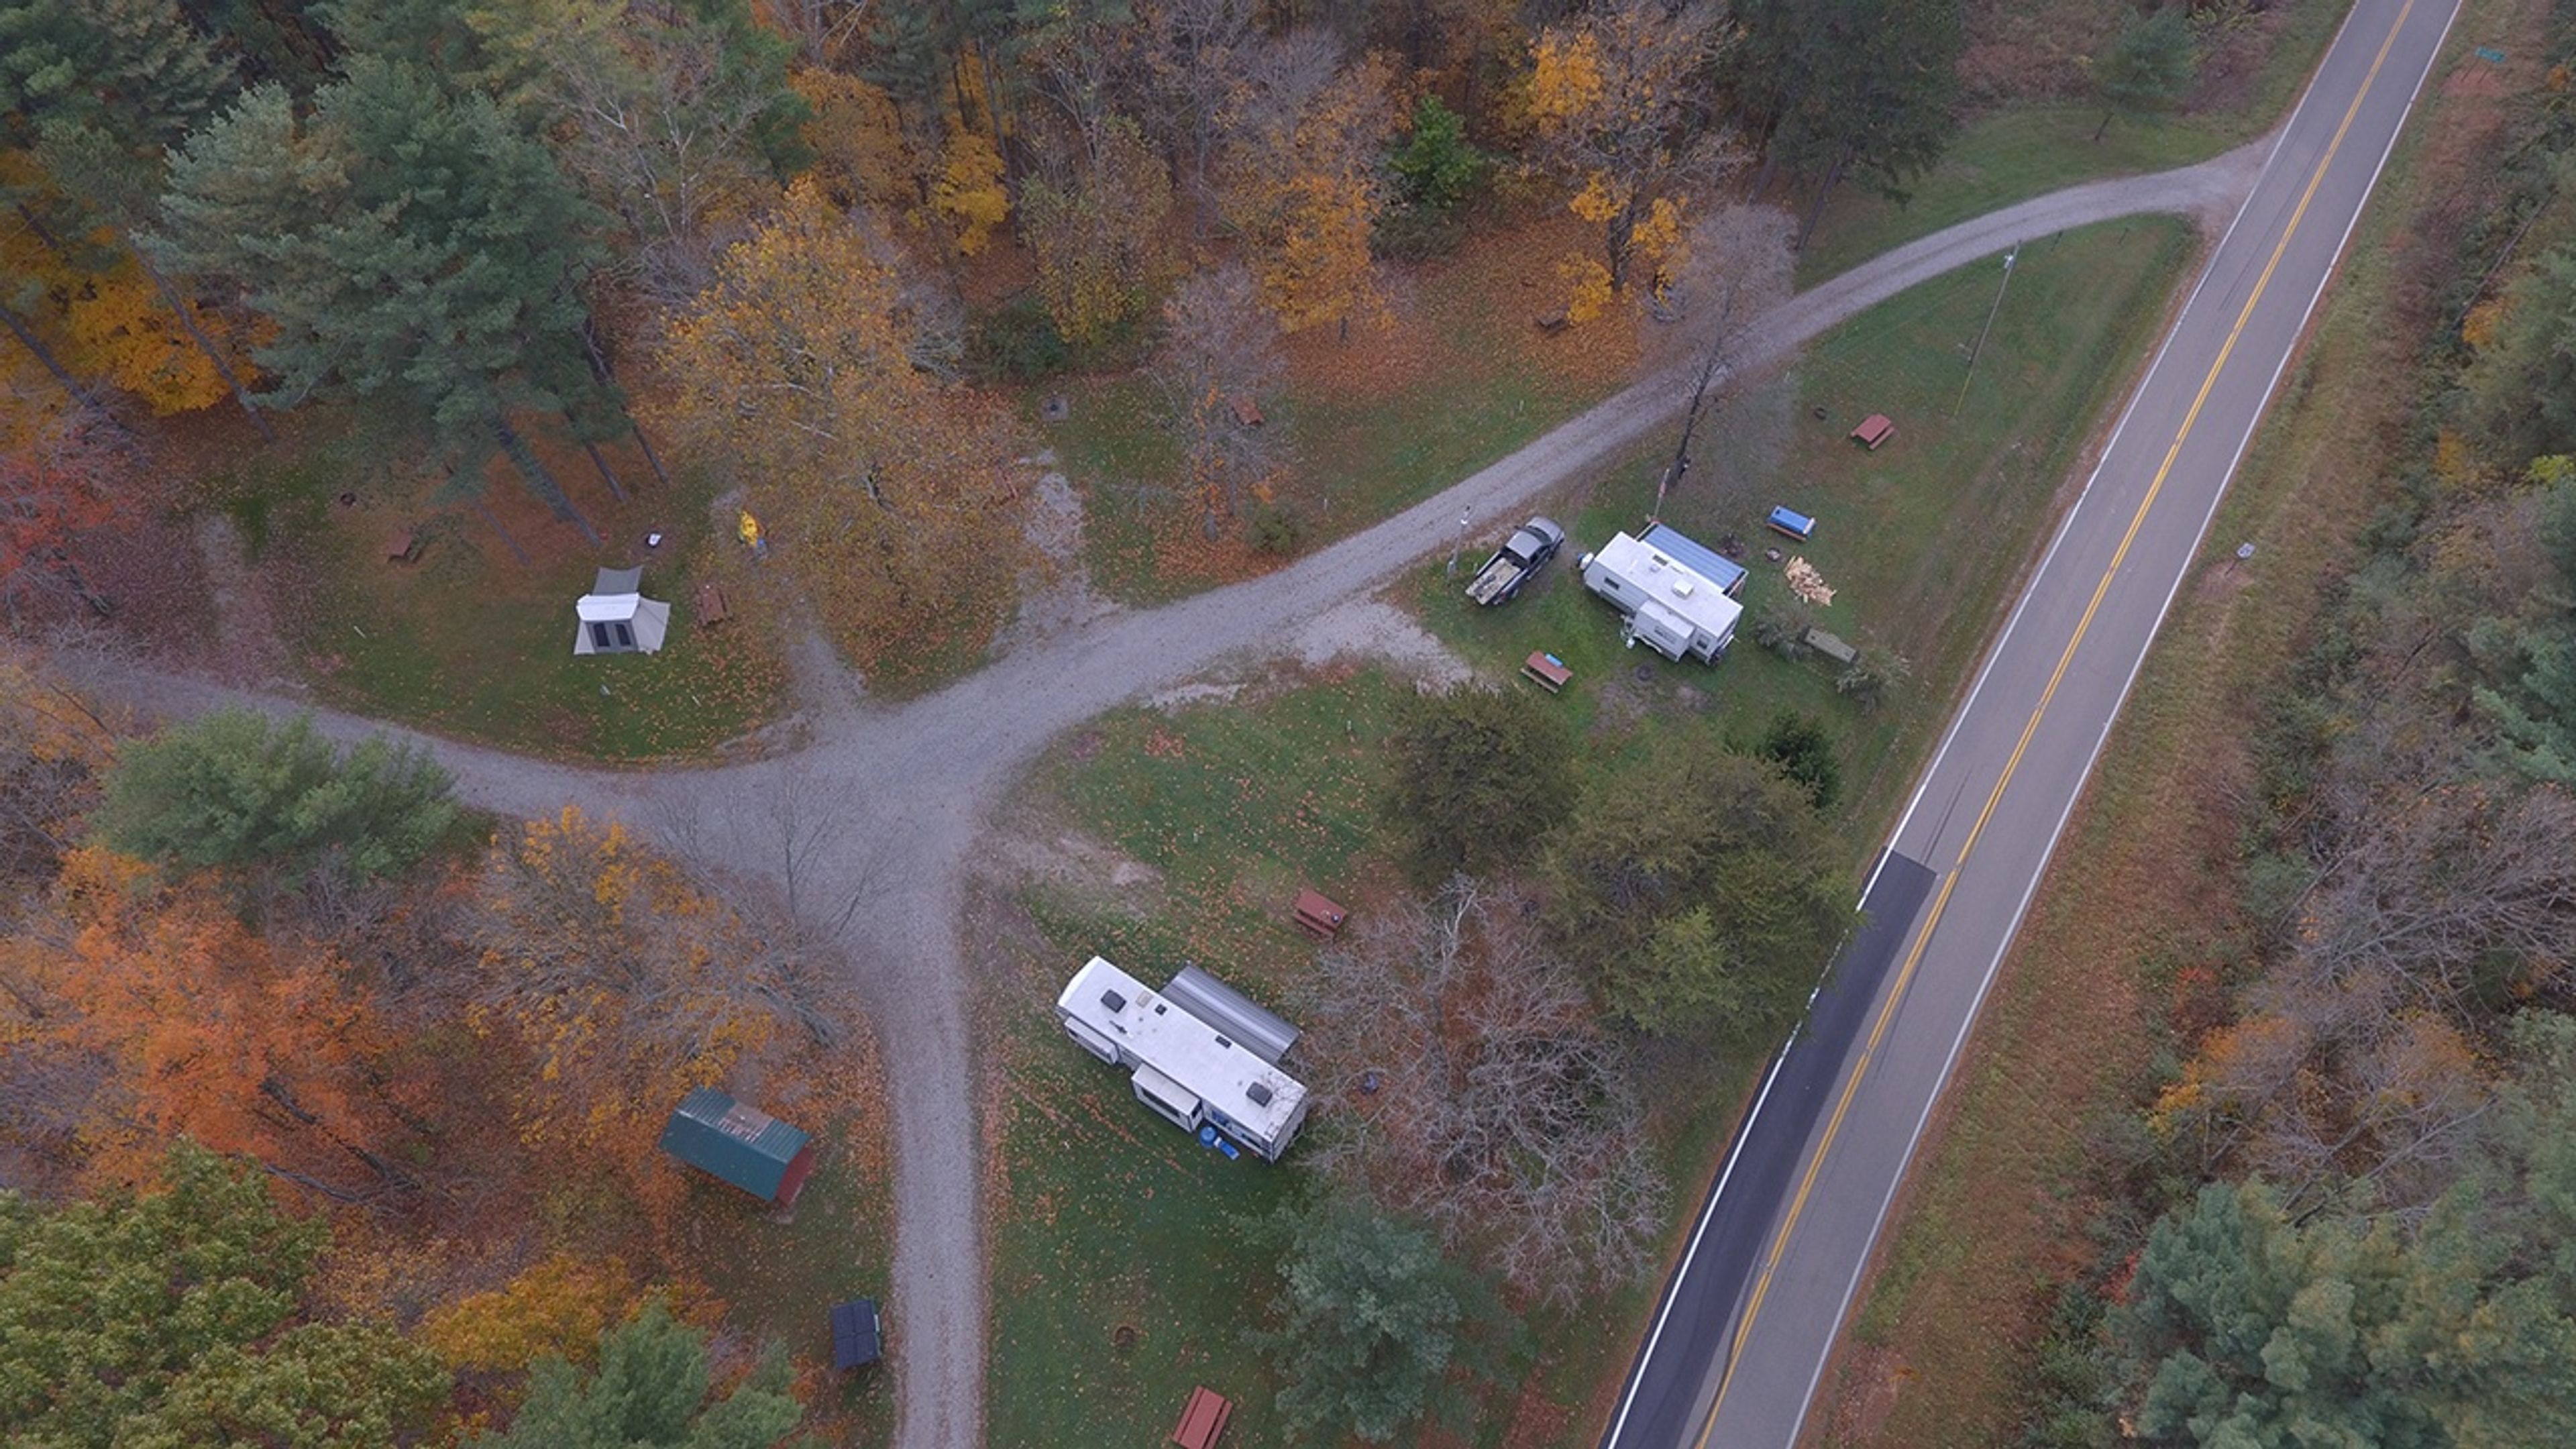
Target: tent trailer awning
1247,1022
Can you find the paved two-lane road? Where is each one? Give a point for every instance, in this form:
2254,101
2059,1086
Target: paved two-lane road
1745,1329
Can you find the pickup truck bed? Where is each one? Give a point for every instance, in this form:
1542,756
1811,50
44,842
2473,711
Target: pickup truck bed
1523,554
1496,578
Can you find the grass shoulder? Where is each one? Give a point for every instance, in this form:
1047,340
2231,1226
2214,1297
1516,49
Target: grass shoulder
2131,927
2017,152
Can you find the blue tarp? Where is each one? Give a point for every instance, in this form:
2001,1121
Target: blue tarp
1708,563
1793,523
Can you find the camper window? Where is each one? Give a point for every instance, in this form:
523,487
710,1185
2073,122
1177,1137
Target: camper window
599,637
625,636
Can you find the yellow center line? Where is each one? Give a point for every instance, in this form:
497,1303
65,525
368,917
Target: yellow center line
2012,763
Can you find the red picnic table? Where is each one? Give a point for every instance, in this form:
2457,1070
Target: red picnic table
1317,914
1203,1420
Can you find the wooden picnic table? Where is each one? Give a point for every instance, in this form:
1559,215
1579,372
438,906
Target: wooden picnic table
1318,915
1203,1419
1874,430
1546,671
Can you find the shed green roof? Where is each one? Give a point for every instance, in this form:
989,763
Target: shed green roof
741,1144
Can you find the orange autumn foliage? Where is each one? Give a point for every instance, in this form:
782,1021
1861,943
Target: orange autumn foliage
1304,196
264,1048
793,374
625,986
104,318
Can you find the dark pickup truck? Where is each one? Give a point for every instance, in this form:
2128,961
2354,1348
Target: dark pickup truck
1522,555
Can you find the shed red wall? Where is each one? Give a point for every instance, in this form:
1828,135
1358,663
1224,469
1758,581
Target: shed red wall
794,1180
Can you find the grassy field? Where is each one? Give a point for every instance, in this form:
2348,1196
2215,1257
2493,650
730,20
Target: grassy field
1922,540
1996,1212
2026,151
1121,1272
1230,806
468,640
1372,423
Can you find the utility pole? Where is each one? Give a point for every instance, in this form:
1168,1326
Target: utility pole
1456,544
2009,258
1710,365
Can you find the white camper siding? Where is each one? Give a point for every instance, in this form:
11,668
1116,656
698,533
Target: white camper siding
1168,1097
1671,606
1184,1068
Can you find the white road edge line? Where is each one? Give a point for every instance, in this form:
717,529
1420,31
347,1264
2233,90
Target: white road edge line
1977,1007
2280,138
1707,1215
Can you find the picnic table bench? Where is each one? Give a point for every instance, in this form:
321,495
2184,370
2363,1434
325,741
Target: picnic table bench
1874,430
1317,915
402,547
1546,671
713,607
1203,1419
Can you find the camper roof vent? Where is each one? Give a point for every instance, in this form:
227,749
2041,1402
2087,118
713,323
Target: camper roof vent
1682,588
1113,1001
1259,1092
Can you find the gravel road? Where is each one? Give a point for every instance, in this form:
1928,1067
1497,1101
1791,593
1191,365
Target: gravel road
879,812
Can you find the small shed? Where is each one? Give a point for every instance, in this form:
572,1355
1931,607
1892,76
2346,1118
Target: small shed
858,1335
616,618
740,1143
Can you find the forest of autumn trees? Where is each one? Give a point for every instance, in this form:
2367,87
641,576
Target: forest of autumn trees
521,229
282,1030
257,988
2341,1212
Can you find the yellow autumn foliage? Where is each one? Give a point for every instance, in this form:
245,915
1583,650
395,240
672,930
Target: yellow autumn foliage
557,1309
969,193
1565,77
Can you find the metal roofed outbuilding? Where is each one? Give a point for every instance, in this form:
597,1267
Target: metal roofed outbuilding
741,1144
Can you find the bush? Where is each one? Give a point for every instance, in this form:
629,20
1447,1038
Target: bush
1870,679
1703,893
232,792
1373,1326
1016,342
1435,168
1275,528
1479,778
1804,750
1782,629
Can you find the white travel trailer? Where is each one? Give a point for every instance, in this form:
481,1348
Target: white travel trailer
1202,1054
1674,608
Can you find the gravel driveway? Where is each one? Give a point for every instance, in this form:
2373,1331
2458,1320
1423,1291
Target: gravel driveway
884,805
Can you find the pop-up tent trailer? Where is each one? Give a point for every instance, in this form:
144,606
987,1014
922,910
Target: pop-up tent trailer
617,619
